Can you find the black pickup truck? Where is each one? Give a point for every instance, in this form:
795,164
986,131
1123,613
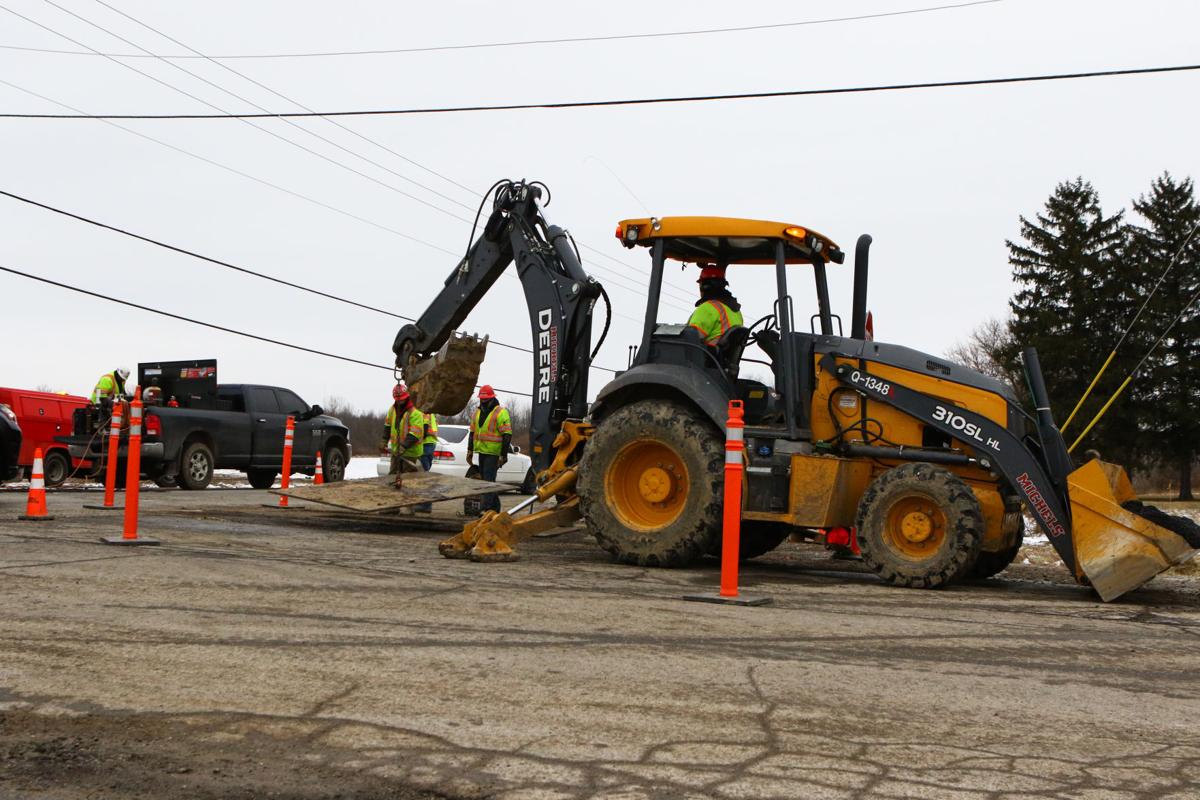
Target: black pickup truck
230,426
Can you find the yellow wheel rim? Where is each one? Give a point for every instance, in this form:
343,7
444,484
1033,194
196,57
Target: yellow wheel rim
915,527
647,485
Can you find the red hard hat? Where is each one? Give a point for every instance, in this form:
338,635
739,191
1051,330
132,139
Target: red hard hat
486,392
399,391
711,273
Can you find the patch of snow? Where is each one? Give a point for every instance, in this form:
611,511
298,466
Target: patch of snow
361,467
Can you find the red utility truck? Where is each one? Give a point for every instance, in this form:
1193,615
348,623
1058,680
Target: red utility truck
44,416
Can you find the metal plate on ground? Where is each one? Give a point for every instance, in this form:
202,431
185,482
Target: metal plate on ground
380,494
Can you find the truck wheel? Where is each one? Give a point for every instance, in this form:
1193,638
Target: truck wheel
759,537
990,564
919,526
333,465
196,466
166,481
56,468
650,484
261,478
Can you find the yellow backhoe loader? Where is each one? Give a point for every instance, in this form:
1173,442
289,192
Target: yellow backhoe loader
930,462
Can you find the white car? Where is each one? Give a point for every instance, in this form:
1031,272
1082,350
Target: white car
450,458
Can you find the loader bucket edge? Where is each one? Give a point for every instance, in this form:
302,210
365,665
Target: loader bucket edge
1117,550
444,382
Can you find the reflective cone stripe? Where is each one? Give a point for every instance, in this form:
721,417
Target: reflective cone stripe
731,532
319,477
35,506
114,446
289,434
133,467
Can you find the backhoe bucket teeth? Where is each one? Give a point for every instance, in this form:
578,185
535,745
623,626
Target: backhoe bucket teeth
444,382
1118,549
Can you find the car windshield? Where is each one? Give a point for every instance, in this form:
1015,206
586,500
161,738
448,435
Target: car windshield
449,434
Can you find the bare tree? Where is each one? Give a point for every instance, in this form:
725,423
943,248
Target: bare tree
986,350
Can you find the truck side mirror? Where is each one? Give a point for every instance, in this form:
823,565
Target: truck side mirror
315,411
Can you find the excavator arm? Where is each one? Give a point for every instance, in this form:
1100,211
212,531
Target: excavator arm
441,366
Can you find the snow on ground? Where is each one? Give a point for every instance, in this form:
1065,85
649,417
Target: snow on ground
362,467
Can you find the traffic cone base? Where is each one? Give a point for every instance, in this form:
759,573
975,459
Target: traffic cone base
141,540
36,518
101,507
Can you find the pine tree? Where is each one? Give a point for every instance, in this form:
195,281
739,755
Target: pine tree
1074,290
1172,376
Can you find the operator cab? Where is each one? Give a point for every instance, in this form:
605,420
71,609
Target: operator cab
745,245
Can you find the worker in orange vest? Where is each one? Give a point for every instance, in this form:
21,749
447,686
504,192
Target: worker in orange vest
490,441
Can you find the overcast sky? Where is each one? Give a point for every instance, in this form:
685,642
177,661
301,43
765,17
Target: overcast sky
938,177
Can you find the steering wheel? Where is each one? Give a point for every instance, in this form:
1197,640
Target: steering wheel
767,323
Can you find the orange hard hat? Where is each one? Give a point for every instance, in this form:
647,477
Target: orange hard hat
399,392
709,272
486,392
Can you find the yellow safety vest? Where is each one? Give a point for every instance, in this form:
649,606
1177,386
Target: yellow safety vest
713,318
430,430
106,387
413,420
489,436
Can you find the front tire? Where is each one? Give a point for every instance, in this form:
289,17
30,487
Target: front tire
333,465
919,526
650,484
990,564
196,466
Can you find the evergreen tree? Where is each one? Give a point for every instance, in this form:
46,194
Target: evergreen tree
1074,291
1172,376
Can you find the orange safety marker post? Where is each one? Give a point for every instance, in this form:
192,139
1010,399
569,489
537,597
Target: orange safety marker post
318,476
110,472
133,479
731,525
289,435
35,506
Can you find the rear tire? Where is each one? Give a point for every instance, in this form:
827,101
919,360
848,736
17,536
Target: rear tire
990,564
261,478
650,484
919,526
196,467
56,468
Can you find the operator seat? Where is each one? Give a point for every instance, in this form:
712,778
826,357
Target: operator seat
730,347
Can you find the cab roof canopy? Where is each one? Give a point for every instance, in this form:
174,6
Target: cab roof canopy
725,240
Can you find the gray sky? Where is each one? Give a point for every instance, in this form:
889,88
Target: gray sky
938,177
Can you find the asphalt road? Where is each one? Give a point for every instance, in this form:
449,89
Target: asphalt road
300,654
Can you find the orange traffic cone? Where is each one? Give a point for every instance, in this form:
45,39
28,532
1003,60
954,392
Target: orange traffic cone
35,508
318,477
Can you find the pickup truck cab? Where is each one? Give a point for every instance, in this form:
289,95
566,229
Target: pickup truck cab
230,426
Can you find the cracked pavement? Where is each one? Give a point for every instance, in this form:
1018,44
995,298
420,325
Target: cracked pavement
367,665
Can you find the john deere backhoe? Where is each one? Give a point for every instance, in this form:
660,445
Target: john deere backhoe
930,462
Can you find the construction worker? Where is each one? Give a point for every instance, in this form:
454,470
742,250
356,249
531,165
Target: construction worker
717,310
111,386
404,430
429,443
490,438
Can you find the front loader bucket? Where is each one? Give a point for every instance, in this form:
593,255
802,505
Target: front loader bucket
1118,549
444,382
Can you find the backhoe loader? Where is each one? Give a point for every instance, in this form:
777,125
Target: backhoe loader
931,463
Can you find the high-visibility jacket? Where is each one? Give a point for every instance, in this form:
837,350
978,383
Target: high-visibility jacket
400,425
430,429
106,387
713,318
489,433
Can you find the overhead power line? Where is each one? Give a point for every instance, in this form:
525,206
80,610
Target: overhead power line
214,326
244,270
532,42
640,101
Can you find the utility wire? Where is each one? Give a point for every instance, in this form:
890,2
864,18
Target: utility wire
636,101
642,101
243,270
213,325
530,42
634,289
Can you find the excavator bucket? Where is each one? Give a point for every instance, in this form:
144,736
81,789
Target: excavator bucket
1119,542
444,382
